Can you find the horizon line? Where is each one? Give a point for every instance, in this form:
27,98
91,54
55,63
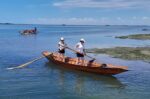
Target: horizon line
11,23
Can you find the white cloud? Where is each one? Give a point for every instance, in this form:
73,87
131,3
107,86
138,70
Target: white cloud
73,20
93,21
119,18
134,17
103,3
145,18
30,6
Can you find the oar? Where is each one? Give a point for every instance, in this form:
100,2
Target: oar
25,64
81,53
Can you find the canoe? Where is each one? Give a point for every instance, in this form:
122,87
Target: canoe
92,67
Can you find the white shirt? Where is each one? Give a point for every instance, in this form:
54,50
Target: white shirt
80,47
61,45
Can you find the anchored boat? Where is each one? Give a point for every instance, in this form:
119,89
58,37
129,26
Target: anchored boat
89,66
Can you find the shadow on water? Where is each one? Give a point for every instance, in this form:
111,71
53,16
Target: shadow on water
83,81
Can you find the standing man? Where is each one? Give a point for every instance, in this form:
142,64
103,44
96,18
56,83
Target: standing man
80,51
61,48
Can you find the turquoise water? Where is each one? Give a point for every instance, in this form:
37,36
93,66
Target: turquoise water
44,80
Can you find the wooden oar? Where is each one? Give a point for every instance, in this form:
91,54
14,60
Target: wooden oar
25,64
80,53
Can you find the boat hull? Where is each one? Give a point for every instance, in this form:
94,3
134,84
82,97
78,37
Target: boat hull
93,67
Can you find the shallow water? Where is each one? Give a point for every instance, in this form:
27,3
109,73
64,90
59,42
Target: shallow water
44,80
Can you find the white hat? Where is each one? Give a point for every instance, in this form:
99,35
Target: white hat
62,39
82,39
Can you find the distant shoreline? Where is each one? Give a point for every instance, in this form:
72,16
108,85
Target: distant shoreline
107,25
6,23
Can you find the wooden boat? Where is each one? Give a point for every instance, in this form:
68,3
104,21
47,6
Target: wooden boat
93,67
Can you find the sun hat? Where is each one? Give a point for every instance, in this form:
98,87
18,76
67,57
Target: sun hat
62,39
82,39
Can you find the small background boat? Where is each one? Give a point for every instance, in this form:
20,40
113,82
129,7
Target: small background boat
93,67
28,32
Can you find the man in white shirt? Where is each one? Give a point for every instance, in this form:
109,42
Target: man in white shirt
80,51
61,48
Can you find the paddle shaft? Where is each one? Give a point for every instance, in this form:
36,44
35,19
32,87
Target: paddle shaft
80,53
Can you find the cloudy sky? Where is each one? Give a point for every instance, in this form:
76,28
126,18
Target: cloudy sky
78,12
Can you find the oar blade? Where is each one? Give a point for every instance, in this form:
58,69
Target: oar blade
25,64
91,61
20,66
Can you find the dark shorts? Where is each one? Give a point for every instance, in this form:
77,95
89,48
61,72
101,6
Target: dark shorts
79,55
61,51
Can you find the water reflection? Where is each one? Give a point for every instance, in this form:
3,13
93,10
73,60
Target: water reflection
82,83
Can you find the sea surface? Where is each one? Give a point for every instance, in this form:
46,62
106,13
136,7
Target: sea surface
44,80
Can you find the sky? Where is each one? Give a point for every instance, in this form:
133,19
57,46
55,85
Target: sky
76,12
